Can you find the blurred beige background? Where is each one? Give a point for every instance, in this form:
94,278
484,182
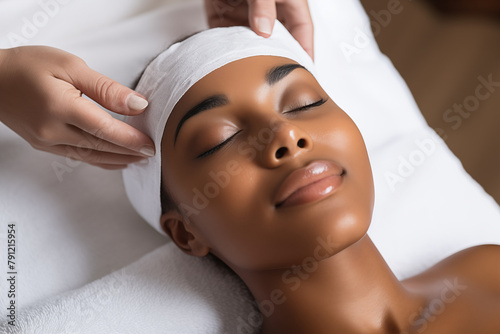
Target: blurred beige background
449,54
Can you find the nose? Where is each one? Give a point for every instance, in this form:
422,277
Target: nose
288,141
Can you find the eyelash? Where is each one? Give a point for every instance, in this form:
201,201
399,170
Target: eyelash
307,107
216,148
299,109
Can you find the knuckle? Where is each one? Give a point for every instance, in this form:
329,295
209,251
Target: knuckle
75,61
44,135
105,88
72,61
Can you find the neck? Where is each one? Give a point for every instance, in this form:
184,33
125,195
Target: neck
353,291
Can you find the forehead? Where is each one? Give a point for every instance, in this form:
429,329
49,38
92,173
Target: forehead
234,77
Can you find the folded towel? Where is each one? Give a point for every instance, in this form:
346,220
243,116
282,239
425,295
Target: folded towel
165,291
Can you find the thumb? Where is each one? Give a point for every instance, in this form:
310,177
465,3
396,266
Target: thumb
108,93
261,16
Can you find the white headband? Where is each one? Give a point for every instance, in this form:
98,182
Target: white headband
171,75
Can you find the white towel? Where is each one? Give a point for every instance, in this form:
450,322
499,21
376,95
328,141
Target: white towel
166,291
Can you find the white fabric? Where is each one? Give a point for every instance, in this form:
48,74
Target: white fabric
165,292
75,231
171,75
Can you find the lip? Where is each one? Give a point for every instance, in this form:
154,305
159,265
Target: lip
310,183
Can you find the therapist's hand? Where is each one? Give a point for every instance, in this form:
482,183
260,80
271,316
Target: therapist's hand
41,100
260,15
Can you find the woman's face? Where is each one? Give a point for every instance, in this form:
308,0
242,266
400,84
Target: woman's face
262,180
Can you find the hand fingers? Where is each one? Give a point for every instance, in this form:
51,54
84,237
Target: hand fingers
110,167
261,15
226,13
299,23
92,156
105,91
66,134
77,137
92,119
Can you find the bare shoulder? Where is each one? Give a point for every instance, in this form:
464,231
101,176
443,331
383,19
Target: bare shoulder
468,288
479,265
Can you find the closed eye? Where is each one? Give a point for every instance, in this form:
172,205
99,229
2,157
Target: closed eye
219,146
306,107
216,148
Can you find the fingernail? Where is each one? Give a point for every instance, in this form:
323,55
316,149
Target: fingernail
135,102
147,150
264,25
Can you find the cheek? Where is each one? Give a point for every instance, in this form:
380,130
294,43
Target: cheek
238,219
340,135
213,186
225,208
352,209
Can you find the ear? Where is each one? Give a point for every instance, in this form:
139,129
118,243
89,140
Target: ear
178,230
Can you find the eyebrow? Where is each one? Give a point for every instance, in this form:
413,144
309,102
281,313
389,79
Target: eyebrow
274,75
278,73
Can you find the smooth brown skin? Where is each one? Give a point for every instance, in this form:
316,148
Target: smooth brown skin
351,290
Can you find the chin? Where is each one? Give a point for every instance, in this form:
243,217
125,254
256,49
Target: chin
343,223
